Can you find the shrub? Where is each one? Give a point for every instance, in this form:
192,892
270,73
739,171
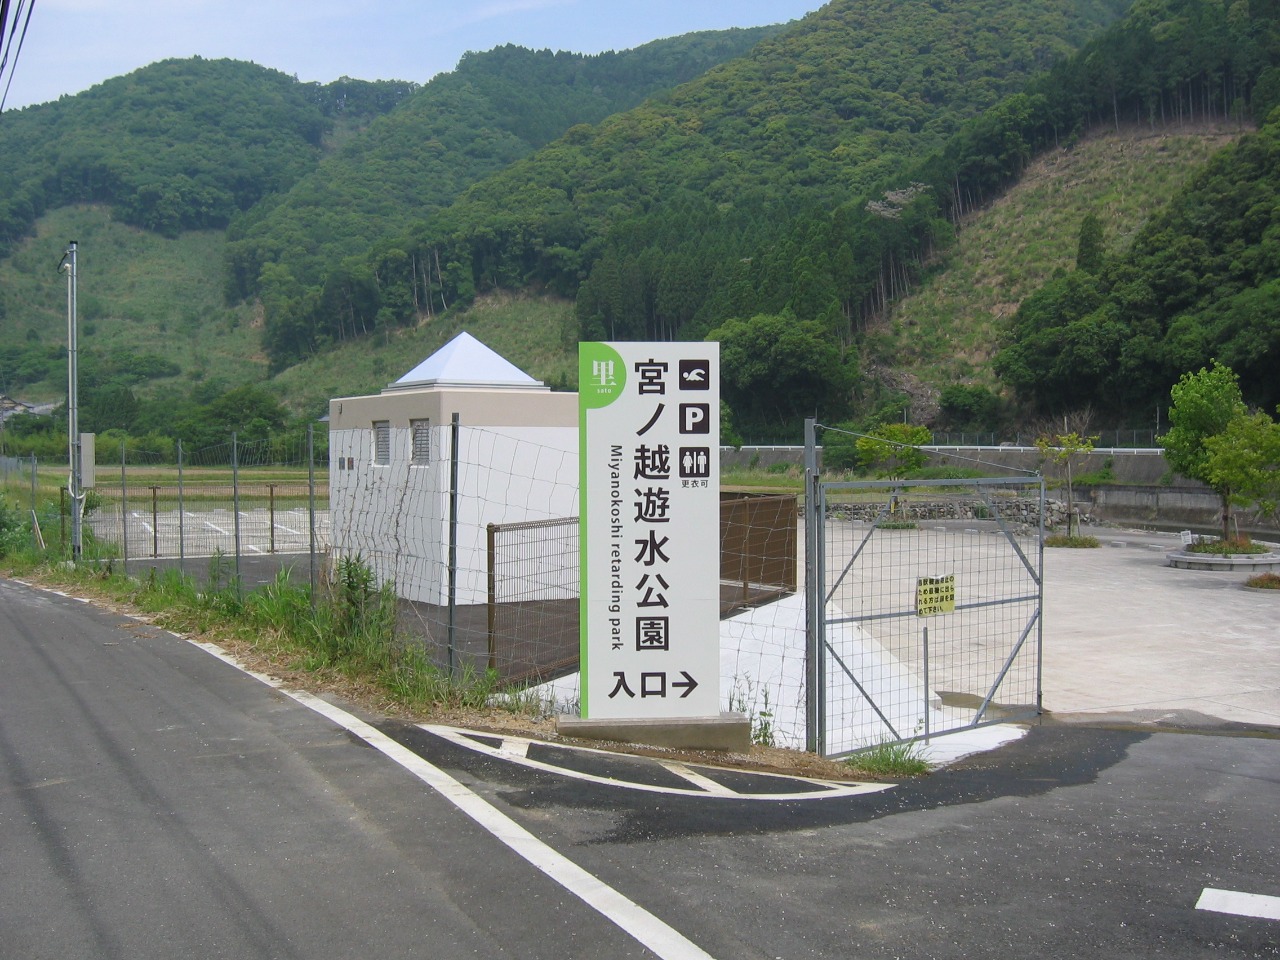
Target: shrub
11,527
1226,548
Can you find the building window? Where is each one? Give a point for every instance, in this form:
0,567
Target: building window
382,442
421,430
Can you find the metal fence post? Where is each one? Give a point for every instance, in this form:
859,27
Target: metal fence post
155,520
1040,607
235,501
311,507
491,555
927,704
124,512
813,591
453,538
33,485
182,529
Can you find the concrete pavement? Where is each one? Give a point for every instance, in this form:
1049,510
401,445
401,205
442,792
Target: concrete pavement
1129,638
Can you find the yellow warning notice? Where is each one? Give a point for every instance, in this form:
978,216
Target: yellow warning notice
935,595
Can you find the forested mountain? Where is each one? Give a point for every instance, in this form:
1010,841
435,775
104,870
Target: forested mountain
1202,281
305,173
779,202
714,200
495,108
178,145
947,330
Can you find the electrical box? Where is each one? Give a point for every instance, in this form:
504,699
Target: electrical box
88,458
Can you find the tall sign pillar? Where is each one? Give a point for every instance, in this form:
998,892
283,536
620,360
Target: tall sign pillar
650,502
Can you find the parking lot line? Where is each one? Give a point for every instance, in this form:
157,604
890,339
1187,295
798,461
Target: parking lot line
1240,904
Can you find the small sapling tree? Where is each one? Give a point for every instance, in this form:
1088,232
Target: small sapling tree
1066,451
1204,405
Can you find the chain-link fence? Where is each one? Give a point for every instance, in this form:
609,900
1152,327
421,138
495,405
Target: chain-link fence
477,528
248,509
18,480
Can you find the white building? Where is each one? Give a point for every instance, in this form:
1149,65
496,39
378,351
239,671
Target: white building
391,465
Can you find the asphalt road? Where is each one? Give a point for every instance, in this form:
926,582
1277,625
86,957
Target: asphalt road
156,802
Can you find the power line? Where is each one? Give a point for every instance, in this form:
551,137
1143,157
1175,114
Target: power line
8,32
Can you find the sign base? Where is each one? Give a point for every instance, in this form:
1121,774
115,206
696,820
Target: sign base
728,731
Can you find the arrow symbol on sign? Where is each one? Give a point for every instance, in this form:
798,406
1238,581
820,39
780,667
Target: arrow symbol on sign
688,682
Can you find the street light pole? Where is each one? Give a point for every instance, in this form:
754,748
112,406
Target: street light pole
73,407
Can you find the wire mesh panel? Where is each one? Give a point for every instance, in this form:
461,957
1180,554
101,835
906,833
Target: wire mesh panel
533,602
931,607
758,544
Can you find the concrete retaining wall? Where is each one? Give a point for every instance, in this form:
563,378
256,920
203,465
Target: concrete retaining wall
1138,497
1127,465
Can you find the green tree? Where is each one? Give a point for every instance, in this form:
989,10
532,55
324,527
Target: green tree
728,435
1245,458
969,406
777,370
893,450
1091,250
1204,404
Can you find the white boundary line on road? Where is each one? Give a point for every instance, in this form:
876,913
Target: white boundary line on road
1240,904
665,941
516,750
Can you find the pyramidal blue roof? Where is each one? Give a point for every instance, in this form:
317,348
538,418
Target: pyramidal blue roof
466,362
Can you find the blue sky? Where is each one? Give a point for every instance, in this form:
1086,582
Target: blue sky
74,44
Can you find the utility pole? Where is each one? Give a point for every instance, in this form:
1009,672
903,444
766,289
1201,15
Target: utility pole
73,407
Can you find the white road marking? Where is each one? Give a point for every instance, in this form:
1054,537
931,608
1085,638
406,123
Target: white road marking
281,526
663,940
697,779
214,526
699,785
1240,904
515,747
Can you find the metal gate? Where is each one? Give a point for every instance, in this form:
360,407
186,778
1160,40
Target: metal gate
924,606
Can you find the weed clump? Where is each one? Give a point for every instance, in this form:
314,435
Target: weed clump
1075,540
903,759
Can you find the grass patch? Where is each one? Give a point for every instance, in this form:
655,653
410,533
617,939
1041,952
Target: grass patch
344,637
903,759
1065,540
1264,581
759,480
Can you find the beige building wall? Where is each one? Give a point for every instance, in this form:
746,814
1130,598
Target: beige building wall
518,461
